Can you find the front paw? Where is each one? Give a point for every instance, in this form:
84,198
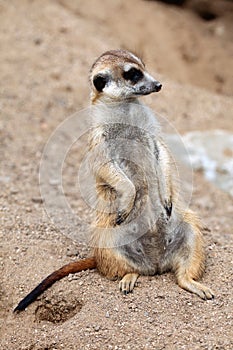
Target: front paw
126,204
121,216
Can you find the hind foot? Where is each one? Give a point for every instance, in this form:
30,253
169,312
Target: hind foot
197,288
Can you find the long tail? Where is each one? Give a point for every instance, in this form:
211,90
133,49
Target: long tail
77,266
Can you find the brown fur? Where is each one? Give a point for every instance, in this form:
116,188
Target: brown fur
186,258
174,241
76,266
114,58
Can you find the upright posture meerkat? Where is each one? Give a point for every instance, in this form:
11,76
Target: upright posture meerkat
140,226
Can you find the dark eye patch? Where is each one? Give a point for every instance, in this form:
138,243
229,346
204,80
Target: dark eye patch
134,75
99,82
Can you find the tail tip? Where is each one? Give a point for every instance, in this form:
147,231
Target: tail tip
20,307
17,309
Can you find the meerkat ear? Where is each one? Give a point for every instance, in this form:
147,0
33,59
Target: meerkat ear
99,82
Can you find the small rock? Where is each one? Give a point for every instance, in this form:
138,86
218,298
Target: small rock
64,29
220,30
38,41
219,78
43,126
56,75
37,200
68,88
97,328
5,179
14,191
54,182
71,251
132,306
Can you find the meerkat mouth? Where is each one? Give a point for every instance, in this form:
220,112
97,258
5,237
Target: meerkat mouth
146,90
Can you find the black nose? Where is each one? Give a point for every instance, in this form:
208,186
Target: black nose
157,86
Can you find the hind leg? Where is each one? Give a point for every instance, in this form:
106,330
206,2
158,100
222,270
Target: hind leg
189,260
127,283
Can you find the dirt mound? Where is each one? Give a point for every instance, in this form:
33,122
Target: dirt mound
58,309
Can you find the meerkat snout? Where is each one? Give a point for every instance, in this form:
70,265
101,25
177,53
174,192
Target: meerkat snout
149,87
157,86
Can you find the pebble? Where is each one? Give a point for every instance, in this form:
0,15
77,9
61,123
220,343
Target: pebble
54,182
71,251
97,328
132,306
56,75
38,41
14,191
37,200
5,179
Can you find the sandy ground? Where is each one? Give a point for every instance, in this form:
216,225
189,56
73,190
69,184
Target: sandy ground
47,48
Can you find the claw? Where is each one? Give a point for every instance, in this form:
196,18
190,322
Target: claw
127,283
197,288
121,216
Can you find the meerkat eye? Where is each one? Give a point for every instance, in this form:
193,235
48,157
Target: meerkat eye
99,82
134,75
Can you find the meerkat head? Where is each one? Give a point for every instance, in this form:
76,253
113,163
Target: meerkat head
120,75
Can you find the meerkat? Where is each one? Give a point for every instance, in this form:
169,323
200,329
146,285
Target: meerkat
141,226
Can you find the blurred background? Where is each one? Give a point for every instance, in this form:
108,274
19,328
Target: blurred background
47,48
